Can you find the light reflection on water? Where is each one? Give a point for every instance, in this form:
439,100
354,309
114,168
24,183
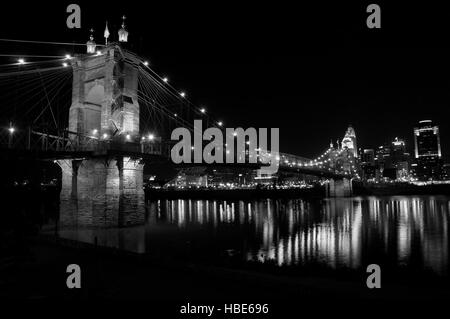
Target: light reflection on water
347,232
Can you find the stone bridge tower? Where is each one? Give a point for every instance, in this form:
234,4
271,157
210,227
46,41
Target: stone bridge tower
106,188
104,94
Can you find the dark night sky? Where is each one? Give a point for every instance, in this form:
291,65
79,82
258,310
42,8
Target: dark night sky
308,70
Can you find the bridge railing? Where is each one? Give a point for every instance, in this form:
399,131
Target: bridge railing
67,141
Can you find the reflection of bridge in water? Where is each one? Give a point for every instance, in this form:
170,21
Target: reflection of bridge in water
337,233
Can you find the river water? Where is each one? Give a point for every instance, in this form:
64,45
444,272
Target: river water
410,232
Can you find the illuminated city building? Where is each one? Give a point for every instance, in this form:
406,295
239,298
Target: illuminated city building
368,156
349,141
428,151
368,164
400,158
392,160
427,140
383,161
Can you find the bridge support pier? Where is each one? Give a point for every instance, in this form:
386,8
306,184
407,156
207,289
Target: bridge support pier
103,191
339,188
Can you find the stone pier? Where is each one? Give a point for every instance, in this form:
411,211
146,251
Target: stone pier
339,188
105,192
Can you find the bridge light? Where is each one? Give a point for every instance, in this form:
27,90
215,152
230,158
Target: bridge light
11,130
175,115
183,94
94,131
143,138
105,136
65,64
99,52
146,63
128,136
234,133
202,110
68,57
192,148
21,61
165,80
151,137
219,123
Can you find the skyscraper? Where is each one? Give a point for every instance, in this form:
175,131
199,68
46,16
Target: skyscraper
349,141
400,158
426,139
428,151
368,163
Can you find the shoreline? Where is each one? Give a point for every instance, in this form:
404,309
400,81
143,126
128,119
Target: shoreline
234,193
317,192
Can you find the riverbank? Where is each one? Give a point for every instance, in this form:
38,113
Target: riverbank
395,189
241,193
359,189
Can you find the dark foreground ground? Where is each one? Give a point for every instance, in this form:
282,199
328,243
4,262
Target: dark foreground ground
38,275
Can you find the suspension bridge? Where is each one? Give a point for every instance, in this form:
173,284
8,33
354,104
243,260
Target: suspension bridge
102,114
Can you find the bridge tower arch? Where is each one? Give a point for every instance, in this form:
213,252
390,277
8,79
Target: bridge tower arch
104,93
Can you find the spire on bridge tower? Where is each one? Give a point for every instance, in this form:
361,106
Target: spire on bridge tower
331,144
91,43
106,34
123,33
